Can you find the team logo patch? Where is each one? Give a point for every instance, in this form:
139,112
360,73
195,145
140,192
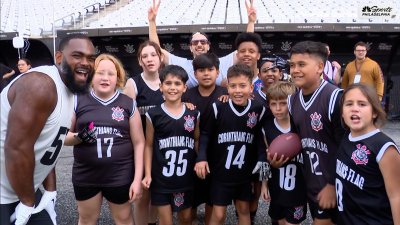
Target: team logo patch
316,123
252,121
179,199
189,123
360,155
118,114
298,212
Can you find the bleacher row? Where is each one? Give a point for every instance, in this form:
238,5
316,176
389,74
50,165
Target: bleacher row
35,18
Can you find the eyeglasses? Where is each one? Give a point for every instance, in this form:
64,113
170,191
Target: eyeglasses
196,42
360,50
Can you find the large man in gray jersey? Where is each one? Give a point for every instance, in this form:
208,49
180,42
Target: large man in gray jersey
36,113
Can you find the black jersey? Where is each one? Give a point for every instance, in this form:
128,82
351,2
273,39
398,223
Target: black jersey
360,188
110,161
146,97
204,103
174,155
313,122
286,185
261,97
233,153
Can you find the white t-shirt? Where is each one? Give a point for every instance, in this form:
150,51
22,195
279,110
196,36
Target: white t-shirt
187,64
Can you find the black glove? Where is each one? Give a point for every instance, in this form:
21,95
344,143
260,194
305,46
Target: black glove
88,134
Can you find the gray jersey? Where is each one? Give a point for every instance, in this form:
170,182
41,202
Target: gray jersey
48,145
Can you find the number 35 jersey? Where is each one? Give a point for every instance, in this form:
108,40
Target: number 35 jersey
174,155
233,153
110,161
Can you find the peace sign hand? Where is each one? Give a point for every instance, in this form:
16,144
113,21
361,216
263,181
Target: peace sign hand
153,10
251,11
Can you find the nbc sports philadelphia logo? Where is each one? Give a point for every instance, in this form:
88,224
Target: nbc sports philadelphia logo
375,11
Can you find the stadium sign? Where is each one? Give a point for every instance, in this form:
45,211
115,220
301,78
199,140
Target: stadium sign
376,11
8,36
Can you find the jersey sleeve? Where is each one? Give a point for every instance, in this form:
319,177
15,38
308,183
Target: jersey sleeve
205,136
383,150
134,107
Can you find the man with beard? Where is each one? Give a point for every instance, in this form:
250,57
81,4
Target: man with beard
36,111
364,70
199,44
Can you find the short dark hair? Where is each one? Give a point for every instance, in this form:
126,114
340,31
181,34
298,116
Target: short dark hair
199,32
240,70
312,48
361,43
174,70
249,37
27,61
206,60
65,40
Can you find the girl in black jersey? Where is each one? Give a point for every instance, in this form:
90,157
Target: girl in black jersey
110,164
367,166
145,89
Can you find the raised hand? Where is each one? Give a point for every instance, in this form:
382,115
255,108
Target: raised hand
153,10
251,11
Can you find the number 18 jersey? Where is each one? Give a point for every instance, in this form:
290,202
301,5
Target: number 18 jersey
174,156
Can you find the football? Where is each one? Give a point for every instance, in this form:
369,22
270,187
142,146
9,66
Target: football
287,144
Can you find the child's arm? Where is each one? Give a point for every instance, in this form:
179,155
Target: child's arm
389,166
264,191
148,153
201,167
197,134
137,138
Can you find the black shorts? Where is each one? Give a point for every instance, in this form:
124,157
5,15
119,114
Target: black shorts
223,194
201,191
177,201
41,218
295,214
319,213
117,195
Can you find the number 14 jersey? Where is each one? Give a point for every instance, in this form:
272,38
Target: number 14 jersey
233,153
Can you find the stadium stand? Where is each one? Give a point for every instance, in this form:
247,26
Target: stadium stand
118,26
32,18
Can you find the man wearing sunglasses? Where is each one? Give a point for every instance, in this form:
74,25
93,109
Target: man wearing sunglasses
199,44
363,70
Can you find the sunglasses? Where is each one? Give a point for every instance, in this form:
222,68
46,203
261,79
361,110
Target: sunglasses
196,42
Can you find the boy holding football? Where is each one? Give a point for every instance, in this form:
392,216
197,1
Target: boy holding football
286,187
